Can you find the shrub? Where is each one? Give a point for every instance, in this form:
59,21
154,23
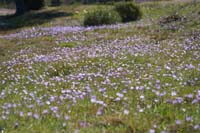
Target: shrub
34,4
101,17
128,11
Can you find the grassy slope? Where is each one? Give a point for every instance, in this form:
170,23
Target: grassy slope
140,75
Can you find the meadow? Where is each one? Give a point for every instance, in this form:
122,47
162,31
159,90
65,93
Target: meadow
140,77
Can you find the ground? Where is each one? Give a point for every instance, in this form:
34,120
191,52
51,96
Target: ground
143,76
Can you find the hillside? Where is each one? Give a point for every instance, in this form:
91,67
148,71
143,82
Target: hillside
58,76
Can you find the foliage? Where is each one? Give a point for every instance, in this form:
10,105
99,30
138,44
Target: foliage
101,17
128,11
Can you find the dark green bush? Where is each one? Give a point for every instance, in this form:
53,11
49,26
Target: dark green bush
128,11
101,17
34,4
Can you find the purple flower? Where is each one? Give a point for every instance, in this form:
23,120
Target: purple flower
189,96
188,118
3,81
190,66
93,99
163,132
100,111
36,116
45,111
151,131
178,100
67,117
120,95
29,114
194,101
21,114
196,127
178,122
198,94
83,124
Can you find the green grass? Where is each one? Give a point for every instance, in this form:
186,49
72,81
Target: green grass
138,61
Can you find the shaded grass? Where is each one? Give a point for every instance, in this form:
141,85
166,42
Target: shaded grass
30,19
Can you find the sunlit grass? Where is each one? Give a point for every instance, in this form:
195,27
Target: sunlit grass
136,77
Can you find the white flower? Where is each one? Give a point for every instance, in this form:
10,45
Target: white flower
120,95
173,93
126,112
48,103
141,110
151,131
141,97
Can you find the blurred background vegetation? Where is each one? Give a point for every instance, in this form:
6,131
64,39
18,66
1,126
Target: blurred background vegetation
11,4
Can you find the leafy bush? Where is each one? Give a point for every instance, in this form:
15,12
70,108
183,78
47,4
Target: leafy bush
34,4
101,17
128,11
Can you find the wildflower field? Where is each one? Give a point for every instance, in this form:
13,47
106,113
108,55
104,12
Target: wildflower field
137,77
